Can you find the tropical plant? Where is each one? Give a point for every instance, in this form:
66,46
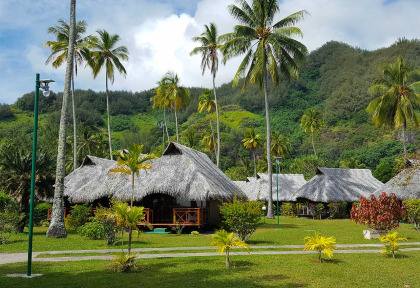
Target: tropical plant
208,104
59,49
379,214
392,239
319,210
191,139
208,142
57,228
92,143
320,244
210,45
79,216
225,241
413,212
106,54
287,209
9,217
280,145
171,94
124,263
269,49
397,99
311,121
251,141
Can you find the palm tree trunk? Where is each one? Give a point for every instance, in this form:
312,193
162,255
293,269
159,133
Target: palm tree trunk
130,232
132,189
176,126
404,141
57,228
166,125
255,165
227,259
74,124
212,133
313,145
270,214
217,123
107,111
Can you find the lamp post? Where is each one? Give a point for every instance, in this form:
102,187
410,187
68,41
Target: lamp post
43,84
277,182
264,208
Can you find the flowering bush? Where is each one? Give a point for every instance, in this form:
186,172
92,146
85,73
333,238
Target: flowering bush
383,213
242,217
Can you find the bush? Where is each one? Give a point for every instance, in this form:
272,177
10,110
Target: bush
93,230
41,213
379,214
80,214
9,217
124,263
242,217
337,210
319,210
287,209
413,212
5,112
109,224
392,239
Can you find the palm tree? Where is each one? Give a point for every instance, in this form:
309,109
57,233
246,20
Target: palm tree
59,51
280,145
208,142
161,101
224,241
397,98
269,49
311,121
206,103
252,141
92,143
106,54
131,162
170,94
210,44
57,228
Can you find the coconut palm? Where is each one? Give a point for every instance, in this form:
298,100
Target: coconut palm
311,121
251,141
208,104
59,52
210,44
208,142
280,144
269,50
224,241
160,100
397,97
107,54
57,228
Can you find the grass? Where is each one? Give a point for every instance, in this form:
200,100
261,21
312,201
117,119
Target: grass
291,232
344,270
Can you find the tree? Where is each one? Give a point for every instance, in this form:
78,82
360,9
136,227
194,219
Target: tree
170,94
397,97
210,44
106,54
224,241
131,162
206,103
280,145
92,143
320,244
392,239
59,52
57,228
251,141
311,121
269,49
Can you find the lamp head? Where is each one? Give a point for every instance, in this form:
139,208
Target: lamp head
264,208
44,86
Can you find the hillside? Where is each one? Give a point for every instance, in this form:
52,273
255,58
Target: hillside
334,80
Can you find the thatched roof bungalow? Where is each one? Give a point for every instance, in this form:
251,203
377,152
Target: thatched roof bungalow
405,185
258,188
331,185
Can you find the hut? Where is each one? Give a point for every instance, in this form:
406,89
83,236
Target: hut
334,185
257,188
406,184
183,187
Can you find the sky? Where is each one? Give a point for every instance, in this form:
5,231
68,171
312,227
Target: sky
158,36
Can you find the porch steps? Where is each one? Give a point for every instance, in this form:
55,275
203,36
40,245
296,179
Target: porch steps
158,231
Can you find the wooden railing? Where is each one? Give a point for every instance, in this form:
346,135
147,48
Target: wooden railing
188,216
148,215
49,213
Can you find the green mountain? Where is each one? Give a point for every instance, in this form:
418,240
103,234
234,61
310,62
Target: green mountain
334,80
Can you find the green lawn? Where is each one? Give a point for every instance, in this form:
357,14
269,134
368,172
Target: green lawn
292,231
344,270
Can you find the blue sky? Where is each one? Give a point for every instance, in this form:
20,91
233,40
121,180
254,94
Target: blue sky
158,35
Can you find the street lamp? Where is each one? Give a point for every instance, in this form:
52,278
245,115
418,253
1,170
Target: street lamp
264,208
277,176
43,84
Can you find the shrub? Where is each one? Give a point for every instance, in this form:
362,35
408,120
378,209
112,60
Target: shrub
9,217
379,214
93,230
109,224
320,244
41,213
242,217
124,263
319,210
195,233
413,212
392,240
337,210
5,112
287,209
224,241
80,214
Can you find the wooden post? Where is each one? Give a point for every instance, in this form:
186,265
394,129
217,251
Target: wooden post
198,217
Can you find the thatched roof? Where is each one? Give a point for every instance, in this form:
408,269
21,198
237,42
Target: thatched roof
405,185
258,188
339,185
181,172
